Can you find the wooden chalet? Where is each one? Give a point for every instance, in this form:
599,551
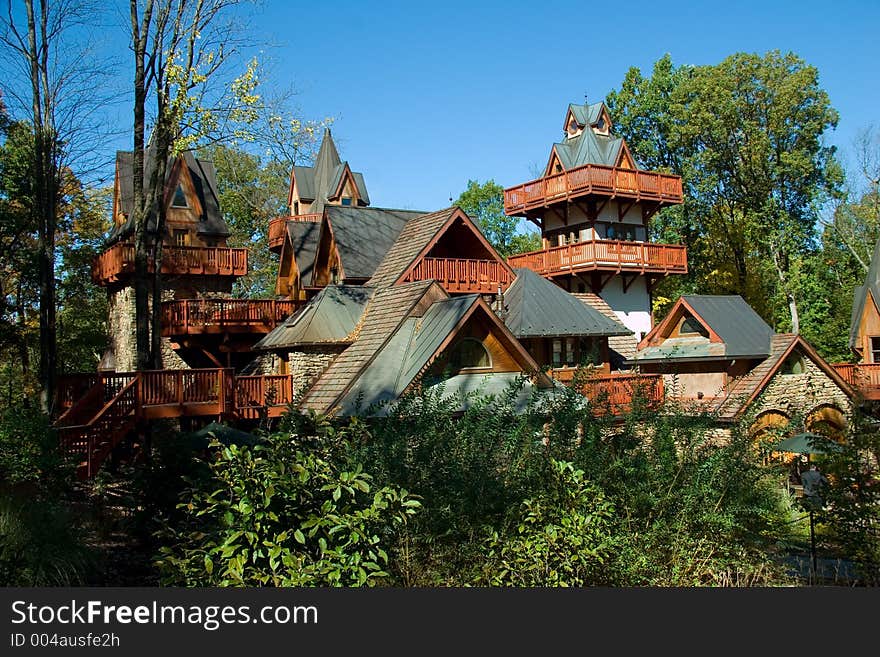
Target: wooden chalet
864,336
716,355
593,205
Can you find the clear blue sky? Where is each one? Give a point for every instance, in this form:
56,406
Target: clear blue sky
428,95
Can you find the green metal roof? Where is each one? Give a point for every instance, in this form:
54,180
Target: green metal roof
329,318
537,307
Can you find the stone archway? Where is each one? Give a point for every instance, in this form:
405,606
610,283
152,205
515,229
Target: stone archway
827,420
769,428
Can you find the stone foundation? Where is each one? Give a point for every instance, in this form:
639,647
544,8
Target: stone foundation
797,395
307,365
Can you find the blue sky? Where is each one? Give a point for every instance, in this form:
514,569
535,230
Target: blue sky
428,95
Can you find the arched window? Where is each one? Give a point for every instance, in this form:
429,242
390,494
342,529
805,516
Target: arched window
794,364
469,353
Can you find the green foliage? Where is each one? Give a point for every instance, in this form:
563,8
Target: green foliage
561,538
287,513
484,203
29,453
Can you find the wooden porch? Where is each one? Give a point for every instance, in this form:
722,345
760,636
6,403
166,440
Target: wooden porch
462,275
278,228
864,377
605,255
593,179
615,393
217,316
99,410
117,262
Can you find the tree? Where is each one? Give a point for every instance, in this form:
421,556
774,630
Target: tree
484,203
746,137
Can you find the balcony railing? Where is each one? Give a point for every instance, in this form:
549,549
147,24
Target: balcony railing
462,274
197,316
606,255
118,262
278,227
593,179
615,393
864,377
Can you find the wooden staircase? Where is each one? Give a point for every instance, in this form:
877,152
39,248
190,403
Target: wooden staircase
90,429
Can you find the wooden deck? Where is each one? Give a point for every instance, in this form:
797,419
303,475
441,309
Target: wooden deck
615,393
219,316
605,255
462,275
593,179
99,410
278,228
117,262
864,377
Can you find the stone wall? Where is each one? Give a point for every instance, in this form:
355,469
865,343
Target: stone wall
797,395
307,365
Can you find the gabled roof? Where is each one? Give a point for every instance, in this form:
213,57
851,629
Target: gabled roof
745,389
585,115
204,179
416,240
388,308
735,331
363,236
587,147
404,328
304,239
537,307
318,183
329,318
869,290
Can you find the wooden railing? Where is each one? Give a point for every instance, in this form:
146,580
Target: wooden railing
195,316
607,255
615,392
593,179
864,377
254,395
118,261
462,274
278,227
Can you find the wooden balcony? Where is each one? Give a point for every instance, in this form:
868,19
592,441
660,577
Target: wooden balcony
605,255
597,180
117,262
278,228
218,316
864,377
615,393
462,275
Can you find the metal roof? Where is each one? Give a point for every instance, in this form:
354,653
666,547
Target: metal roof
364,235
537,307
329,318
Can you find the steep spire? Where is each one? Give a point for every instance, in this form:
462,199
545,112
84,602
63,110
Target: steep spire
325,169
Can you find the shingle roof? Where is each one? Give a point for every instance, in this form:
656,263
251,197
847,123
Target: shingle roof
317,182
870,290
204,179
537,307
414,237
329,318
624,346
364,236
388,308
304,239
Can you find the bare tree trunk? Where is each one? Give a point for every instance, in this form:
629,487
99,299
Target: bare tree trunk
159,212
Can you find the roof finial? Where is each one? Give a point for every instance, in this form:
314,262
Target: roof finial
585,99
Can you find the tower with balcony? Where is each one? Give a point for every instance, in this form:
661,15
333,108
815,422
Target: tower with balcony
593,206
196,262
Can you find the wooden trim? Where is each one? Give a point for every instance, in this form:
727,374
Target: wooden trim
663,329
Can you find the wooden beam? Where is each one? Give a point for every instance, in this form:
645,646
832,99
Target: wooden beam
628,279
623,208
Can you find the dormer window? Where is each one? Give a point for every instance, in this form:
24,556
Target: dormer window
469,354
179,200
600,124
346,200
690,327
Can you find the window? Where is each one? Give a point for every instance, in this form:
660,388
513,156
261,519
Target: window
181,237
591,353
600,124
570,357
295,208
557,352
624,232
794,364
179,200
690,326
469,353
875,349
346,200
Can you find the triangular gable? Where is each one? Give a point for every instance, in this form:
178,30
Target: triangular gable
553,162
180,175
326,253
797,343
624,158
287,268
664,329
572,120
346,178
457,215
